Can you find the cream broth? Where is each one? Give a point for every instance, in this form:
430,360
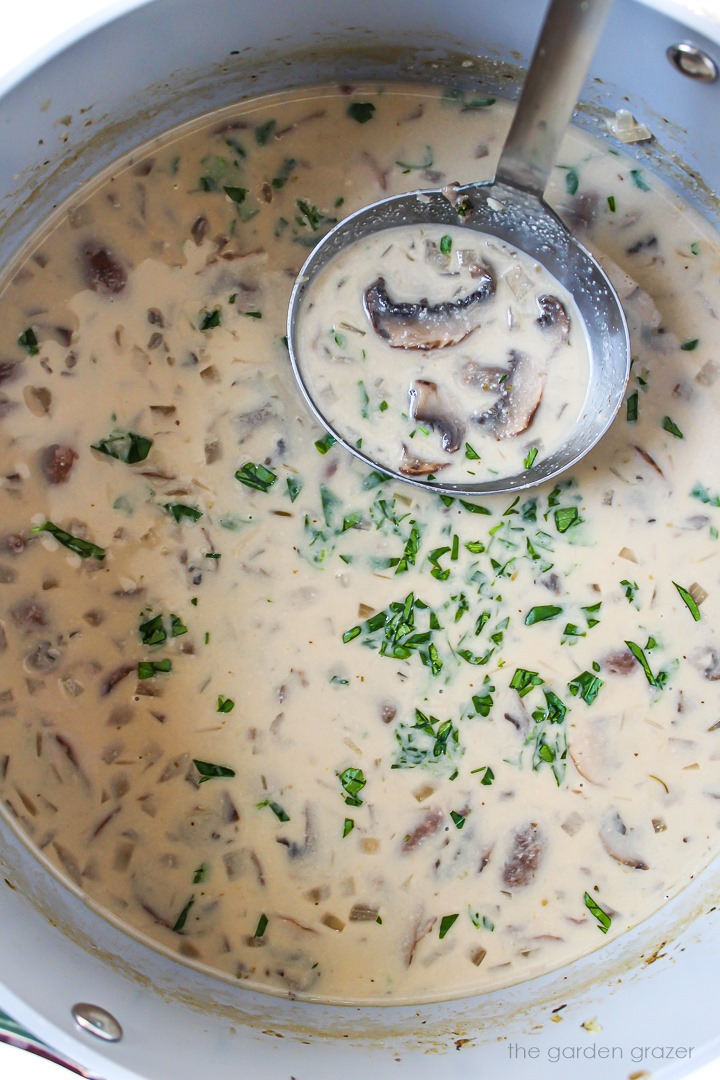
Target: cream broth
316,731
478,381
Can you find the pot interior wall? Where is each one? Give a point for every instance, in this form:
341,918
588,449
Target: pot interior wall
165,63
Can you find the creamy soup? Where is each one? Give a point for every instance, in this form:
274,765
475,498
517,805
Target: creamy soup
478,381
314,730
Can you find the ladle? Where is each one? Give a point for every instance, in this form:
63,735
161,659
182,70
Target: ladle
512,207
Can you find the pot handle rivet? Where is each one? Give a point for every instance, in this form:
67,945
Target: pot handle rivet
692,61
96,1021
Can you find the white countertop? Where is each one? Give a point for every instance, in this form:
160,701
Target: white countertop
29,29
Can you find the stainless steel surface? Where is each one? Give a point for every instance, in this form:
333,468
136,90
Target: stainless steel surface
512,208
692,61
97,1021
552,86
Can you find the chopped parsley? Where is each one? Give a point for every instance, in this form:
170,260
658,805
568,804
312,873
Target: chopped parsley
84,548
632,407
523,681
348,826
264,132
572,181
446,244
542,613
323,445
237,194
458,819
658,681
209,771
446,923
180,511
148,669
152,632
530,457
689,601
671,426
294,487
587,685
361,111
125,446
638,181
275,807
690,346
261,926
210,319
353,782
225,704
182,917
604,920
611,203
256,476
566,517
29,342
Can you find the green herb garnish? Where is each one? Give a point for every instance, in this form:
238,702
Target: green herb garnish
124,446
604,920
542,613
657,681
689,602
182,917
348,826
323,445
210,319
353,782
587,685
361,111
225,704
29,342
256,476
671,426
208,771
147,669
83,548
446,923
180,511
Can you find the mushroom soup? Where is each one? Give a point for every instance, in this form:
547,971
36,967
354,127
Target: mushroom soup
475,383
310,728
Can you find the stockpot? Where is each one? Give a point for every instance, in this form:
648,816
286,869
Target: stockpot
645,1004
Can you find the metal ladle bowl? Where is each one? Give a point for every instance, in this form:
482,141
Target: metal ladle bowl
512,208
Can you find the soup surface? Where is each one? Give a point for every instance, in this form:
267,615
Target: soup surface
312,729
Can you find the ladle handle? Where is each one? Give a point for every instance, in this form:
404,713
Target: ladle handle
562,56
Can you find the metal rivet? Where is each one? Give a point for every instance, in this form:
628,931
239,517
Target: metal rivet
96,1021
692,61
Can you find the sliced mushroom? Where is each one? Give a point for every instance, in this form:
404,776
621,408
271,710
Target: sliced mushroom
428,826
592,746
553,316
422,325
102,270
520,394
56,462
525,856
428,407
411,465
619,841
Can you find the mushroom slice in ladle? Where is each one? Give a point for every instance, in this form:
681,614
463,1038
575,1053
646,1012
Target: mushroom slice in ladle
553,316
423,325
428,407
411,465
520,394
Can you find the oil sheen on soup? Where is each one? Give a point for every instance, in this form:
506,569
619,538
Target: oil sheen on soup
305,726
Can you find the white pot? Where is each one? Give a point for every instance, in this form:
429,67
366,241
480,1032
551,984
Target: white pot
651,991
